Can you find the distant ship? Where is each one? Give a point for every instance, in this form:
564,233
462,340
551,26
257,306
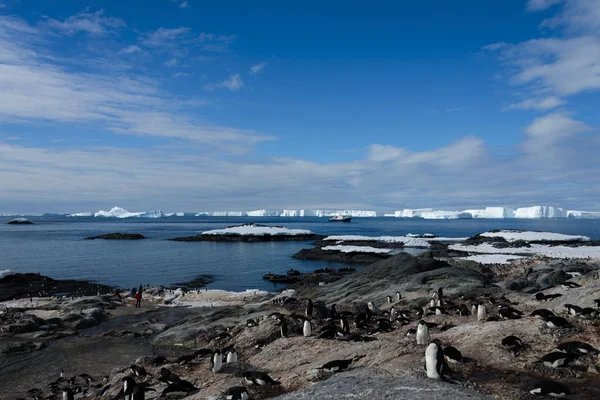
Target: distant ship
340,218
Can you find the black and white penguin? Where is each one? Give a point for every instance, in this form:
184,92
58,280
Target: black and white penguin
237,393
337,365
423,337
344,325
216,362
555,359
232,356
67,394
283,328
251,323
548,388
307,329
452,355
128,384
557,322
398,296
435,364
570,285
139,391
373,308
259,378
589,313
137,370
393,314
333,312
513,343
473,309
507,312
597,301
463,310
573,310
481,312
542,313
389,299
577,348
309,308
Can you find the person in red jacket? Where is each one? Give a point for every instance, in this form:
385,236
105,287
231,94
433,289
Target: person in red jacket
138,299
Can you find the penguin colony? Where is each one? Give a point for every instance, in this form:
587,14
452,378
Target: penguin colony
322,322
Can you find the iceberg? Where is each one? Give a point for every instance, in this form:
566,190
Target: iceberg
408,213
117,212
498,212
352,213
446,215
222,214
178,214
583,214
83,214
537,212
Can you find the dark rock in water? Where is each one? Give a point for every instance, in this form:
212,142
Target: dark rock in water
200,281
370,243
26,285
337,256
118,236
20,221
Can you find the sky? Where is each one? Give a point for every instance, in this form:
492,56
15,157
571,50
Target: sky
383,105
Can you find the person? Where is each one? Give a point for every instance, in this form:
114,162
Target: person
133,291
141,289
116,293
138,299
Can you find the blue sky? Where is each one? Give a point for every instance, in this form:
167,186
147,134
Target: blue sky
193,105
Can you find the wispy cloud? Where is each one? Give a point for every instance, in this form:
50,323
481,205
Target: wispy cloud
539,5
132,49
164,37
540,104
93,23
181,4
171,63
233,83
256,69
181,75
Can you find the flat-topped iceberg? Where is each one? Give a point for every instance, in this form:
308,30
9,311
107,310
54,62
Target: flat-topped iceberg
352,213
536,212
583,214
118,212
257,230
83,214
533,212
529,236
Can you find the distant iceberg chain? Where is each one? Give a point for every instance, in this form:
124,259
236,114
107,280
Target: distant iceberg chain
533,212
289,213
118,212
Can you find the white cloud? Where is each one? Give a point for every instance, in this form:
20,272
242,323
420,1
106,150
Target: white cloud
234,83
92,23
539,5
171,63
165,37
184,4
35,89
132,49
556,126
540,104
181,75
577,17
255,69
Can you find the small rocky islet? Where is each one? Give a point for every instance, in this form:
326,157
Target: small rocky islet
118,236
362,338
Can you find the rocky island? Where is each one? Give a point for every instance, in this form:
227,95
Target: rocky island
252,233
118,236
502,325
19,221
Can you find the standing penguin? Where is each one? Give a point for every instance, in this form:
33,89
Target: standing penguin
423,336
128,384
435,364
344,325
473,309
283,328
309,308
481,312
392,314
216,362
307,329
68,394
398,296
232,356
389,298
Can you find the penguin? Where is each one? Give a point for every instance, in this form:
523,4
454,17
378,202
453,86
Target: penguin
509,312
138,392
373,308
577,348
137,370
463,311
513,343
344,325
589,313
435,364
389,299
62,373
337,365
283,328
570,285
259,378
573,310
542,313
398,296
333,312
307,329
309,308
237,393
557,322
250,323
481,312
548,388
68,394
440,298
473,309
392,314
452,355
423,336
555,359
216,362
232,356
128,384
432,303
597,301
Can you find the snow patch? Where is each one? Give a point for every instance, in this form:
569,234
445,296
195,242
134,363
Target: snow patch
513,236
216,298
257,230
492,258
535,249
358,249
408,241
5,272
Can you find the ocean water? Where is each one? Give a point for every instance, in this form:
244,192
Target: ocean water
55,246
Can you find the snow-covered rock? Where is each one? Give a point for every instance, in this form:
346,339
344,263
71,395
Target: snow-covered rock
357,249
5,272
257,230
529,236
583,214
534,249
536,212
117,212
408,241
492,258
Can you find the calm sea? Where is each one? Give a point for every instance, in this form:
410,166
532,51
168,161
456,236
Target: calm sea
55,246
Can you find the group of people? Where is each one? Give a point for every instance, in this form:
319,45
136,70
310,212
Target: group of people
137,293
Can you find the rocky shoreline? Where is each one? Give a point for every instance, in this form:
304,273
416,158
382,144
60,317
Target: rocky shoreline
247,238
173,327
